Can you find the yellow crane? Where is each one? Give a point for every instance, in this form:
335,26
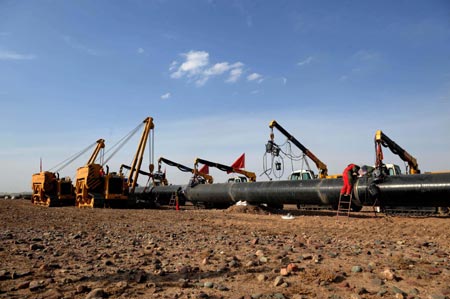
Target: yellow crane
382,139
272,147
49,189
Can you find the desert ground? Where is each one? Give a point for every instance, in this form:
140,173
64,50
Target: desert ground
240,252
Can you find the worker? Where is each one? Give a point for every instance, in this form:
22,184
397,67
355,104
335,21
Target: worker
349,176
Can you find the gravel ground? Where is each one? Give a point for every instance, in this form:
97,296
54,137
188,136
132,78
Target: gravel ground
241,252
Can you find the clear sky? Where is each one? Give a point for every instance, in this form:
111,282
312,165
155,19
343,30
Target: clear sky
213,74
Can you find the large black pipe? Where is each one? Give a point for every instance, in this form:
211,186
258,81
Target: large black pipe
427,190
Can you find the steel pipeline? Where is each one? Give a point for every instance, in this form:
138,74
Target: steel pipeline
427,190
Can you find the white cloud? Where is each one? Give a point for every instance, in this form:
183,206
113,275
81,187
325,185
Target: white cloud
10,55
71,42
173,65
197,67
140,50
284,79
166,96
202,81
255,77
195,61
235,74
306,61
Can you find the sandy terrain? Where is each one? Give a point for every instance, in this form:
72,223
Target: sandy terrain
242,252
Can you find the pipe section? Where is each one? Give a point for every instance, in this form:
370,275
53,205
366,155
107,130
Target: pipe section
426,190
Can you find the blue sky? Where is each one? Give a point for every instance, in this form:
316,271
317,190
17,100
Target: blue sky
214,73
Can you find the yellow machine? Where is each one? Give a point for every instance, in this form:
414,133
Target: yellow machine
49,189
251,176
272,147
382,140
159,176
135,167
94,187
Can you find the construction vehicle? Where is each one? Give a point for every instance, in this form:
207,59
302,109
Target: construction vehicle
382,170
95,187
274,149
206,178
382,140
50,190
251,176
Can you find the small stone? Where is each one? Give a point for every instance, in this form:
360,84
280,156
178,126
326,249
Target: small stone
23,285
259,252
255,241
35,285
222,288
261,277
140,277
36,247
436,296
387,274
355,296
284,272
399,296
292,267
205,261
82,289
307,256
52,294
278,281
263,259
356,269
278,296
95,293
256,296
122,285
413,292
208,285
250,264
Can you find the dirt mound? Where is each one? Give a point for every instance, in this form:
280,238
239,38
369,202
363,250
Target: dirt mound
248,209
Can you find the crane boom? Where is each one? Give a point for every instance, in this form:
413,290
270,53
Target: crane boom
209,179
323,169
250,175
137,161
382,139
100,145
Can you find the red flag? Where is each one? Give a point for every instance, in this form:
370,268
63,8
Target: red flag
240,162
204,169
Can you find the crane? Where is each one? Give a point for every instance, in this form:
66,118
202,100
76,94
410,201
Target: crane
135,167
49,189
89,179
272,147
382,139
250,175
209,179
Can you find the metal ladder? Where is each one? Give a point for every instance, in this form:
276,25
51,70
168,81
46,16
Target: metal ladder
173,200
344,205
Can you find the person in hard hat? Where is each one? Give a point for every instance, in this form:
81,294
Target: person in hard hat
349,177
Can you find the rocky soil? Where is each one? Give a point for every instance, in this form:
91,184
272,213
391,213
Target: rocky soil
242,252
